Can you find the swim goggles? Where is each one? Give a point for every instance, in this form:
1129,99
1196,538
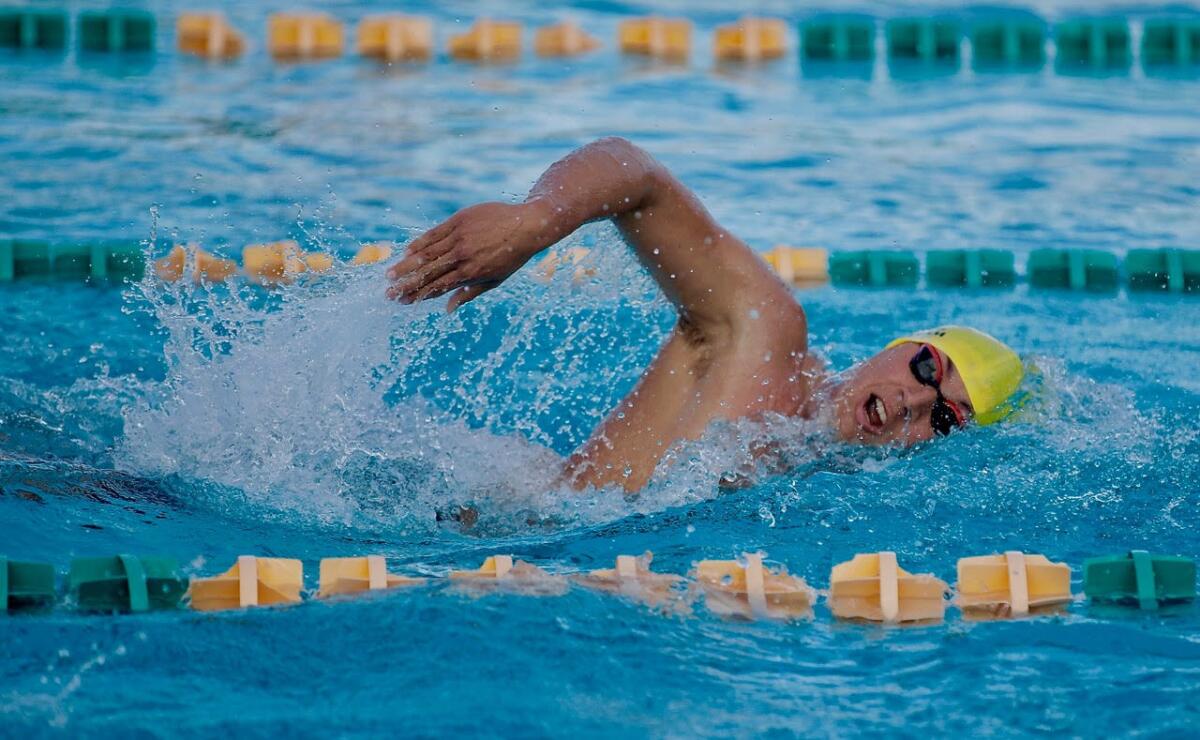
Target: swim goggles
944,416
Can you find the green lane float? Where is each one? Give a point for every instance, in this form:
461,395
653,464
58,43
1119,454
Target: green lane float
874,268
126,583
28,29
977,268
838,38
116,31
1074,269
1014,584
1094,44
30,259
26,586
924,40
1171,42
1169,270
1139,578
1017,42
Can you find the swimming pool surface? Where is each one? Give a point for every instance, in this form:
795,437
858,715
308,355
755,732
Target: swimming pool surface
321,420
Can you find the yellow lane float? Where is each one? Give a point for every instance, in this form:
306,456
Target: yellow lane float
873,587
661,38
304,36
746,588
194,261
1011,585
488,41
208,35
751,40
252,581
519,576
340,576
281,262
803,267
633,579
369,254
396,38
563,40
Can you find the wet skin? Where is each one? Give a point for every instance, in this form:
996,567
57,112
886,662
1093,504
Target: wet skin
739,348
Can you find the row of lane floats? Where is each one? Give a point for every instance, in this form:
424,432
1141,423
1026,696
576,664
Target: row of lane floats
871,587
1096,271
1091,270
1005,40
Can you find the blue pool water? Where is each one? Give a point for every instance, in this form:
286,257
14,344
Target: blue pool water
321,420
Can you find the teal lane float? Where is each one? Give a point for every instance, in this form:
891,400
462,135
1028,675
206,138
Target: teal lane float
963,268
1168,270
22,259
29,29
1096,45
1016,42
116,31
126,583
26,586
1173,42
929,41
837,38
874,268
1073,269
1139,578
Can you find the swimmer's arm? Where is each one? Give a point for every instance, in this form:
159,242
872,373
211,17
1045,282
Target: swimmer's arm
711,276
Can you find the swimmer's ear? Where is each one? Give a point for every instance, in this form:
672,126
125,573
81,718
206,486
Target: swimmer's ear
469,293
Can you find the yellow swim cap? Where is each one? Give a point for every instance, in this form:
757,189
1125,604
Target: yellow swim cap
990,370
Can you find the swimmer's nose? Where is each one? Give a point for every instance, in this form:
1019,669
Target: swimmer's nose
920,399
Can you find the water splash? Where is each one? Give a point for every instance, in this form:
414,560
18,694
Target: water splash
324,400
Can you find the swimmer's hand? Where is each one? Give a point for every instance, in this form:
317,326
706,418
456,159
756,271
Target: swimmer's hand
471,252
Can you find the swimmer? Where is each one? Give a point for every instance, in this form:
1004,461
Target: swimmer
740,346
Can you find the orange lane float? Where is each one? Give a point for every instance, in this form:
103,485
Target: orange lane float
802,267
569,257
519,576
873,587
563,40
396,38
252,581
661,38
1011,585
751,40
748,589
369,254
343,576
488,41
633,579
208,35
202,266
304,36
281,262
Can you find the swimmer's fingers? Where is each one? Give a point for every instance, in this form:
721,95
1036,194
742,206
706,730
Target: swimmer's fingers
424,249
411,287
469,293
440,286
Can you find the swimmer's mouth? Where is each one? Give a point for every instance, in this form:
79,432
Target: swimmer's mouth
875,414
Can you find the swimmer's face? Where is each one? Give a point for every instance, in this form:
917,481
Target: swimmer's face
882,402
